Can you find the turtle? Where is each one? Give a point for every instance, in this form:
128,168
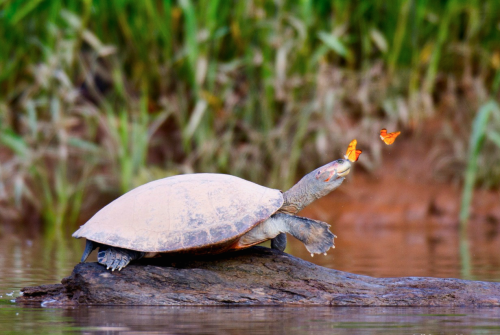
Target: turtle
208,213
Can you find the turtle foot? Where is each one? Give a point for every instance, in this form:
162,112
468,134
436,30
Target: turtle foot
117,258
321,239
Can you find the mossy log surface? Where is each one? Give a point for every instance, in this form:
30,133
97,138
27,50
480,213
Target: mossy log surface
256,276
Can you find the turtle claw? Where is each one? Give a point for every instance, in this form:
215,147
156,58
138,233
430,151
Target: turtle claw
116,263
123,263
117,258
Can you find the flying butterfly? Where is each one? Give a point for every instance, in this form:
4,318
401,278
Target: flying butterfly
352,154
388,138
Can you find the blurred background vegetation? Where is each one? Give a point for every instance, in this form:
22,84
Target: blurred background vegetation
97,97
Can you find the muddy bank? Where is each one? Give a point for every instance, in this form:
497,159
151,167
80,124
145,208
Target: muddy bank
256,276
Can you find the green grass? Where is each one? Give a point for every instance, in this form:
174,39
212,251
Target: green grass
486,125
261,89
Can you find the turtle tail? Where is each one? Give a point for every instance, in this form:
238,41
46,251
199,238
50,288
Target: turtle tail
89,247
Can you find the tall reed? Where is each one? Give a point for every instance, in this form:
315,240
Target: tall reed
261,89
486,126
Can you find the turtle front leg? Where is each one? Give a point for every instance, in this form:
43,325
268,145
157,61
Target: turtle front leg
315,234
117,258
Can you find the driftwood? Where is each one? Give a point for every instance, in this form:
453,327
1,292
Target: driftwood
256,276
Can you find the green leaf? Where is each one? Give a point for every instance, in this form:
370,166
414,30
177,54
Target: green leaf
82,144
334,43
494,137
28,6
475,144
14,142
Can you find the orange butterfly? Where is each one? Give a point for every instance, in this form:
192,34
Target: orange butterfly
352,154
388,138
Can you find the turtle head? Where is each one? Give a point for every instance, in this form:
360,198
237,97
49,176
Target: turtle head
333,171
315,185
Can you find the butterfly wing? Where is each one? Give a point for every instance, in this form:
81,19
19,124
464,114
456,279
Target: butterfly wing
356,155
388,138
383,133
391,137
352,154
350,148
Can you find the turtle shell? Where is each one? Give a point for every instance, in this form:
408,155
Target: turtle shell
184,212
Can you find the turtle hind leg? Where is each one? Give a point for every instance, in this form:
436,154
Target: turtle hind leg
313,233
279,242
117,258
89,247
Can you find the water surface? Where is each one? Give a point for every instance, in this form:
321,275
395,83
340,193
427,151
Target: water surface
255,320
382,252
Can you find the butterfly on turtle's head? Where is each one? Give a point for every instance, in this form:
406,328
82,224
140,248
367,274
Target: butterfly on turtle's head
352,154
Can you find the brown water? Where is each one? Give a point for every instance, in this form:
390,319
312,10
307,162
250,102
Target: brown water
383,251
257,320
382,233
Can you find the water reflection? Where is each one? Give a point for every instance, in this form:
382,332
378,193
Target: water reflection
256,320
410,250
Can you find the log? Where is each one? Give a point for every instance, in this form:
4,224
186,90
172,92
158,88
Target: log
255,276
